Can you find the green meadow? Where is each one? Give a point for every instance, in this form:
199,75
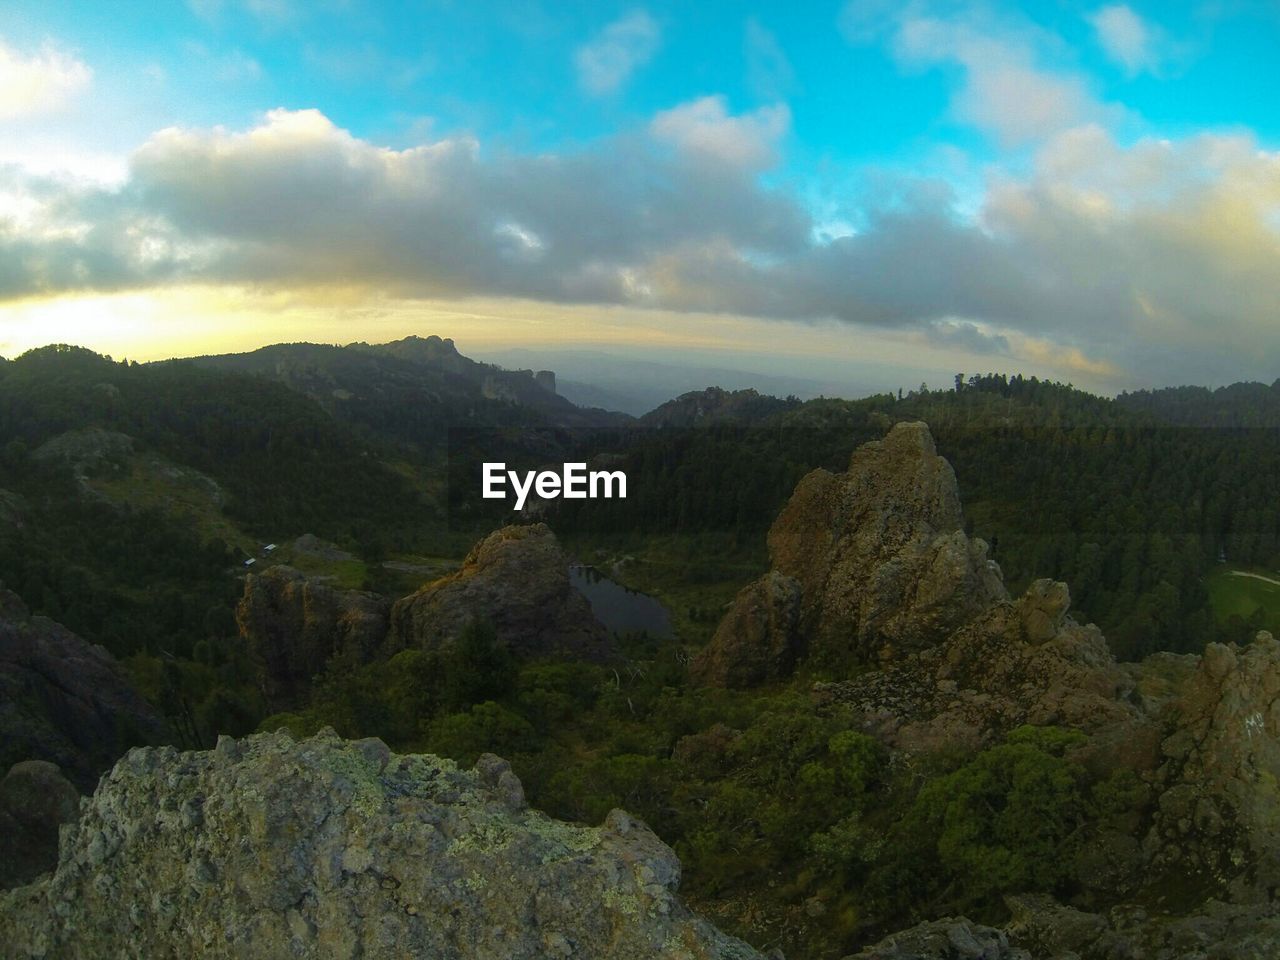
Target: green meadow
1244,593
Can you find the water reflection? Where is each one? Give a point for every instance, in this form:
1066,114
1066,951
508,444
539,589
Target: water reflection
620,609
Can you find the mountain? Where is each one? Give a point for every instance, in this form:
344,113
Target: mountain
414,389
700,408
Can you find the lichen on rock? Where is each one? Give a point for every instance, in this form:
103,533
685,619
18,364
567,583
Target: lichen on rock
270,847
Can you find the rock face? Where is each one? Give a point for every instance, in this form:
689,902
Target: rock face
1219,811
517,579
65,700
954,938
879,560
998,672
85,450
35,800
266,847
293,624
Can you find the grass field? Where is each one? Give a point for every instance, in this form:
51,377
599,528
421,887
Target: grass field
1241,592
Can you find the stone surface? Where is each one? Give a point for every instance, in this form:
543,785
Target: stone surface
952,938
267,847
880,558
65,700
516,579
35,800
292,624
1218,818
1213,931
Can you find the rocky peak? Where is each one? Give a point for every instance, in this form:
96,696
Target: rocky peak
293,624
517,579
268,847
65,700
867,564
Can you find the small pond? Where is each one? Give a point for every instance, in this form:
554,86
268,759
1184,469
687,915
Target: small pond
620,609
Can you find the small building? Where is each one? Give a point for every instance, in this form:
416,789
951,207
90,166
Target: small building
268,548
250,562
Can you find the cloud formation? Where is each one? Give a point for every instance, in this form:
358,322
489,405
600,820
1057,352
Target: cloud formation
1005,91
37,83
1127,39
705,129
1159,258
606,62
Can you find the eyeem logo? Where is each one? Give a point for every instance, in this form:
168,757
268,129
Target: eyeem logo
572,483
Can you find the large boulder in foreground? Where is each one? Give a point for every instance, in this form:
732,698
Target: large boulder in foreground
266,847
867,565
65,700
516,579
293,624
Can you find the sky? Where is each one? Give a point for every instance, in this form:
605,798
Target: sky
1088,192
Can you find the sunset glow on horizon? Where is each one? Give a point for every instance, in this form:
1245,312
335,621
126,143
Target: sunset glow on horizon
1084,192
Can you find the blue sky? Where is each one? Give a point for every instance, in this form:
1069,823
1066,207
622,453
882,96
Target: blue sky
1087,191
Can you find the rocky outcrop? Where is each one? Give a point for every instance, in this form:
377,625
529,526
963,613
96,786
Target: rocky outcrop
996,673
266,847
65,700
879,558
1214,931
516,579
86,450
759,638
293,625
35,800
953,938
1218,817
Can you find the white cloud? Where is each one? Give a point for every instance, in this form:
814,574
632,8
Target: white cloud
1127,39
606,62
704,128
39,82
1159,258
1005,91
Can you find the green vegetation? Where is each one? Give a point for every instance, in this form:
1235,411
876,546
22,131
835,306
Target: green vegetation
131,495
1245,601
764,796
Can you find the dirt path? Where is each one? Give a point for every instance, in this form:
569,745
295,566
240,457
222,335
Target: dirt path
1256,576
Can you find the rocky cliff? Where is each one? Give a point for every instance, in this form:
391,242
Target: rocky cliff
65,700
517,579
293,625
267,847
867,564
